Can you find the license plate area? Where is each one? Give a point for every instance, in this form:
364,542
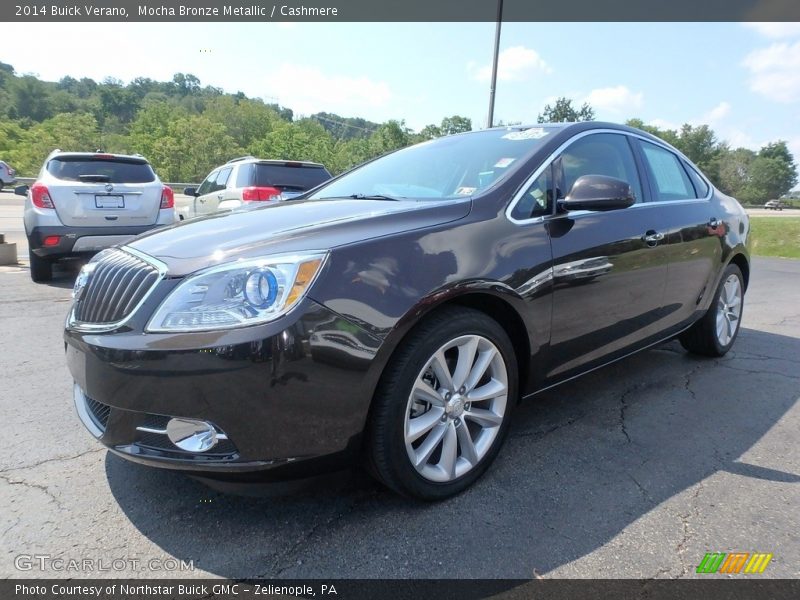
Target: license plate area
109,201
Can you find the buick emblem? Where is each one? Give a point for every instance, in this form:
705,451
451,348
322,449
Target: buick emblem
109,187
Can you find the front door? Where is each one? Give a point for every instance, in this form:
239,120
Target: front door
212,191
609,268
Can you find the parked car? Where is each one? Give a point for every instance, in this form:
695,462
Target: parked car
248,180
398,313
8,176
775,205
83,202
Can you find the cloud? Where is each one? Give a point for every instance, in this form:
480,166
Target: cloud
618,99
719,112
309,90
663,124
775,71
517,63
775,30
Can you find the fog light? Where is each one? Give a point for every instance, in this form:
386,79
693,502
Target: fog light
191,435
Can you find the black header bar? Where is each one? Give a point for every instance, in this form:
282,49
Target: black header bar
397,10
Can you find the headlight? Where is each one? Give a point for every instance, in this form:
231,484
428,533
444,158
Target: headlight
237,294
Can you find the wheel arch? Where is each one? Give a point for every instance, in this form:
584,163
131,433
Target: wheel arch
740,260
495,304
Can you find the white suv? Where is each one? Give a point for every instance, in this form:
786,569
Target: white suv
83,202
246,180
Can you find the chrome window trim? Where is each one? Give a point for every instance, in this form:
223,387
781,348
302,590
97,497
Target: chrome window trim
101,327
558,151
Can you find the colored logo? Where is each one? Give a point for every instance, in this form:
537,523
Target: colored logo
735,562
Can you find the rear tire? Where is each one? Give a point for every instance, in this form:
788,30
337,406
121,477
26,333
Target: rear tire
41,268
715,333
435,429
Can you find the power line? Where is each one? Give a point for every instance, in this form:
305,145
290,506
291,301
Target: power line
335,122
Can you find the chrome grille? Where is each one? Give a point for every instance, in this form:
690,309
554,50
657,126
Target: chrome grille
119,282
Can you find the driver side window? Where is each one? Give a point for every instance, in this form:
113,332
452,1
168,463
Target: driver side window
606,154
538,198
207,186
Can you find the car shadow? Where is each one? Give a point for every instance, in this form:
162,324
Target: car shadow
65,272
582,462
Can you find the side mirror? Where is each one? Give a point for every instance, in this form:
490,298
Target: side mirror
190,191
21,190
598,192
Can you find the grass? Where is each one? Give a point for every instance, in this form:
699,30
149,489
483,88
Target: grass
776,236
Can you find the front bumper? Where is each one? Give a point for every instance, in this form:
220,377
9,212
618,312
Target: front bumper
287,404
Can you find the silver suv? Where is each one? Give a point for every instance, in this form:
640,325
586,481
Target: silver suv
83,202
241,181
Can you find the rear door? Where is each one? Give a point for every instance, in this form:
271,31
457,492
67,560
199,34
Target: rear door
103,190
684,207
608,281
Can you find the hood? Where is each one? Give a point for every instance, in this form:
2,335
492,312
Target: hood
289,227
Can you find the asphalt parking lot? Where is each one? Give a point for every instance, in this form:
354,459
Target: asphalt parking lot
636,470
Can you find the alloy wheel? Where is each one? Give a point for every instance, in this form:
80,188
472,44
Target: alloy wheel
455,408
729,309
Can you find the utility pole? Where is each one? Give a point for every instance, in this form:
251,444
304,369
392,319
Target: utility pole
490,119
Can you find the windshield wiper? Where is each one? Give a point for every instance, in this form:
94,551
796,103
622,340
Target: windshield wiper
361,197
373,197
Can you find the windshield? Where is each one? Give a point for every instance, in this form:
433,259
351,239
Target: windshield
448,167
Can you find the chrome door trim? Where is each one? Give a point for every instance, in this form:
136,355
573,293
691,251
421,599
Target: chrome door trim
558,151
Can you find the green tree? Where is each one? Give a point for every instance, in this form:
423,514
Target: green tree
31,98
562,111
734,171
455,124
73,132
770,178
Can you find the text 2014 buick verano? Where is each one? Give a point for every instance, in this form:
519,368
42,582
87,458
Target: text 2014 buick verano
398,313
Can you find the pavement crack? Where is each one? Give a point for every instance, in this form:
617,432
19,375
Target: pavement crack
51,460
549,430
623,407
37,486
687,533
288,559
758,372
642,489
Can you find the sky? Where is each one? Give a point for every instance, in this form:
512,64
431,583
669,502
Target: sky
741,79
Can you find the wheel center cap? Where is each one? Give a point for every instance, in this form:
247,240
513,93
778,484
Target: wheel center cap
455,406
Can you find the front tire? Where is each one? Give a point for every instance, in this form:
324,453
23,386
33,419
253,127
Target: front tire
443,406
715,333
41,268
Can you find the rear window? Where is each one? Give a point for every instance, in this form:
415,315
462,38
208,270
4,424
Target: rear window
71,168
292,178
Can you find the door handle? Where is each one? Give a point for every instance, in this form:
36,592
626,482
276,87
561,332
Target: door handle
713,222
651,238
202,199
219,196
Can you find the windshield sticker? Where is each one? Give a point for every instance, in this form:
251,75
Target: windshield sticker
465,191
503,163
534,133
